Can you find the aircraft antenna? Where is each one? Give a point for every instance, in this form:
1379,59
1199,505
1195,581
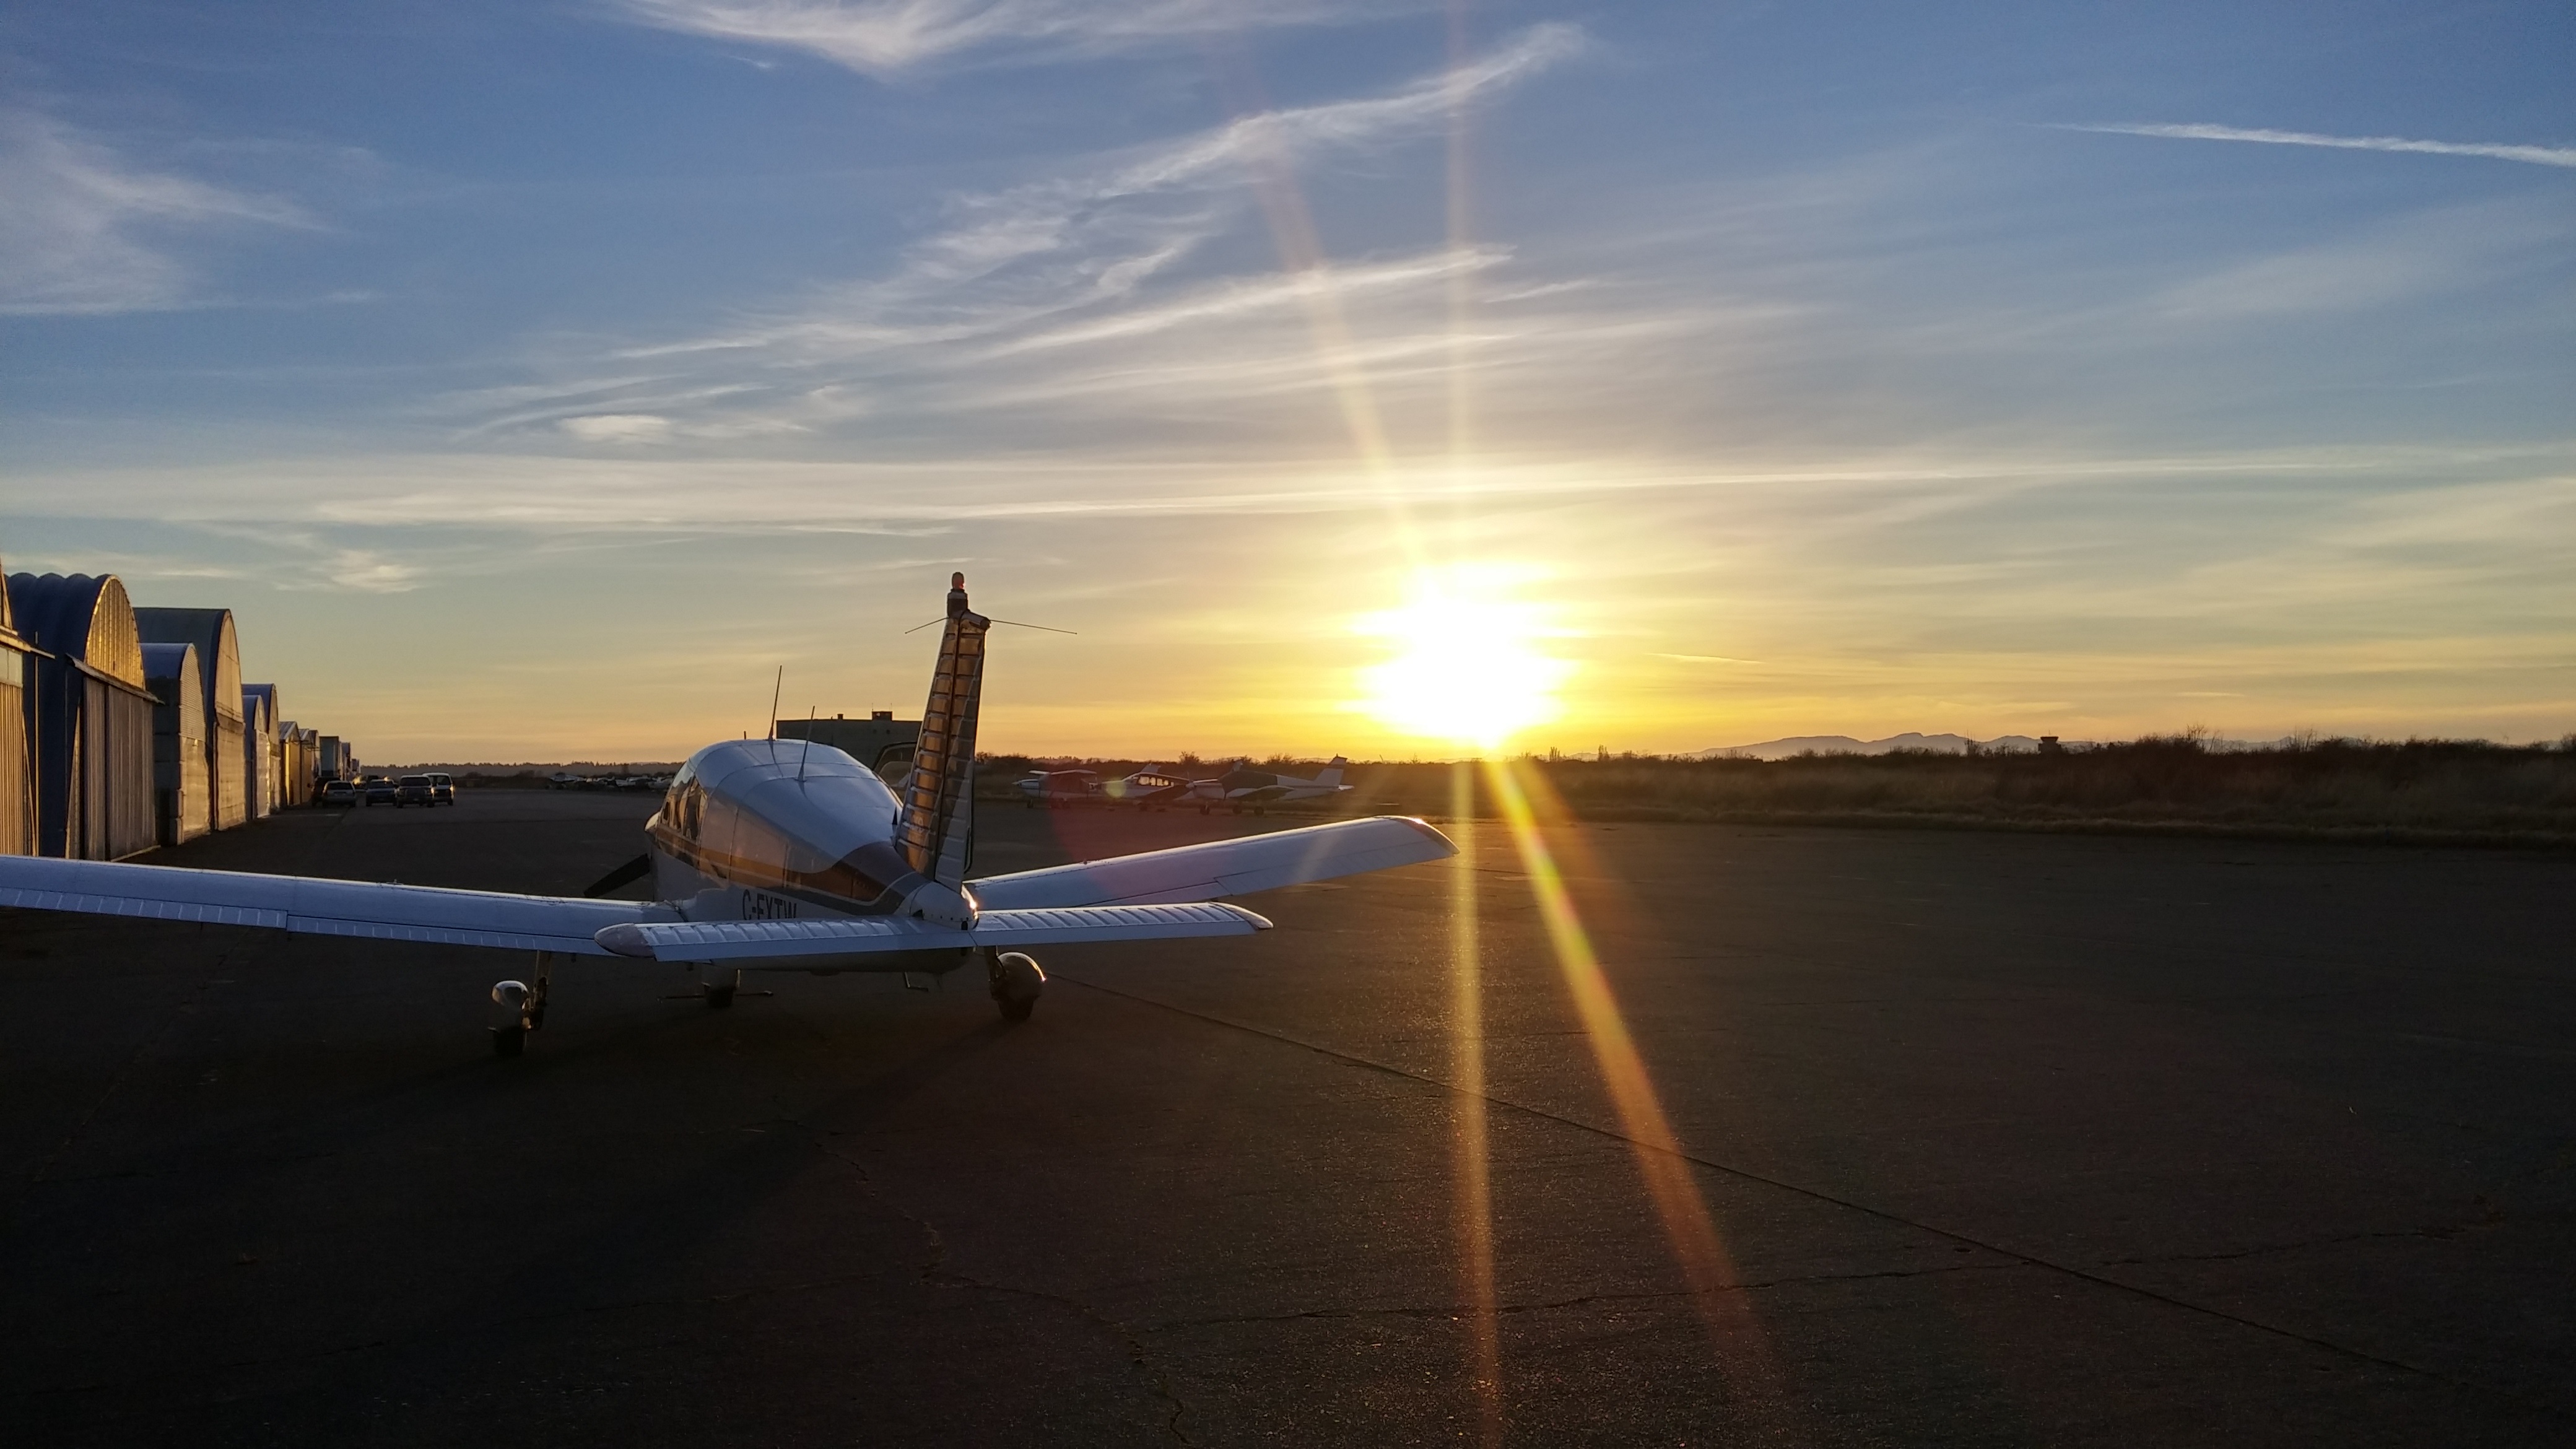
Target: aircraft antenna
775,686
810,711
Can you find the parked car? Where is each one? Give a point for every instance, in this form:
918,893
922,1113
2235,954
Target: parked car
381,790
442,790
413,790
338,792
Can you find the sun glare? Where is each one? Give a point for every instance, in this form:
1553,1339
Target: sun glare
1466,667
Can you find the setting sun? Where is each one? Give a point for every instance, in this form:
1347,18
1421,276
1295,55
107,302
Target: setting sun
1465,667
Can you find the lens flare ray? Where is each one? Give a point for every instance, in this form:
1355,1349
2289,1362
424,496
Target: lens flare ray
1707,1269
1471,1152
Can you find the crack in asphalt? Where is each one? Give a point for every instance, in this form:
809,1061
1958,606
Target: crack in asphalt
1454,1312
2262,1250
935,1269
1886,1215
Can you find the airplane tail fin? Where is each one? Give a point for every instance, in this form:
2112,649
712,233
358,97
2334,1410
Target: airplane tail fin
937,826
1332,773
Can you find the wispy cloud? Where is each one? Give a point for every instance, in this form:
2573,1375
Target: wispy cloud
881,37
617,428
2535,155
2440,250
1897,497
1029,288
85,230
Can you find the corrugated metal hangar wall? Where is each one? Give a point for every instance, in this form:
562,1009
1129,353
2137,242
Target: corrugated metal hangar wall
179,783
93,716
17,751
219,662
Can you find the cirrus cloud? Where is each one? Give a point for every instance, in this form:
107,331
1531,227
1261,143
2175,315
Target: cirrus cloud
882,37
86,230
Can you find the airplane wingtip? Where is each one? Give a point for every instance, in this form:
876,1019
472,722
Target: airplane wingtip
1447,846
623,939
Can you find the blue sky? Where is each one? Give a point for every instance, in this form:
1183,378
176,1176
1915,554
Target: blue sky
534,379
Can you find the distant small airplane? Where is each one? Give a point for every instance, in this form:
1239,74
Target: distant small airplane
786,855
1145,789
1245,788
1056,788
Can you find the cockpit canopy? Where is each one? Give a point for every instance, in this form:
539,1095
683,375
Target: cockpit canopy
784,814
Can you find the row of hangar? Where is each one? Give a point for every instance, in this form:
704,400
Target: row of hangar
125,728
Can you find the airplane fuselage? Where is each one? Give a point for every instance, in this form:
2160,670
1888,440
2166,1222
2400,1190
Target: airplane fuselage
768,830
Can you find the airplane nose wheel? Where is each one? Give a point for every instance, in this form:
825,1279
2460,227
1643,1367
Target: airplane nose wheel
720,993
1017,983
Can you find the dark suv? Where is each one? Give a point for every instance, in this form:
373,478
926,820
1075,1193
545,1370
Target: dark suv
381,790
414,790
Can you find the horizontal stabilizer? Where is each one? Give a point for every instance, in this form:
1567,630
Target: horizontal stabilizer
316,907
739,941
1221,867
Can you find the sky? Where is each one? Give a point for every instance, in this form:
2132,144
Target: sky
556,378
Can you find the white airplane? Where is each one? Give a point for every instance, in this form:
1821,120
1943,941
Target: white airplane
1245,788
784,855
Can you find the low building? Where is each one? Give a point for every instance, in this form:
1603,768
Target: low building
179,778
334,761
92,716
219,662
876,742
17,746
298,765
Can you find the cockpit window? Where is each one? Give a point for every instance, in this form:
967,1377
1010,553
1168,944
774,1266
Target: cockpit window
721,837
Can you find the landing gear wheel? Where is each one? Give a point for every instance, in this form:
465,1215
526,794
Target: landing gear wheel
520,1009
1017,983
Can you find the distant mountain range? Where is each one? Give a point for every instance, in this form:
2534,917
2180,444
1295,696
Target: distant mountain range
1846,745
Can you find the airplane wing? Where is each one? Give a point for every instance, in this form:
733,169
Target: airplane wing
316,907
746,941
1220,867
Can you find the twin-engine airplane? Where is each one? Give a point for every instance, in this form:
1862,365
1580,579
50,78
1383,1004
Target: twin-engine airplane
784,855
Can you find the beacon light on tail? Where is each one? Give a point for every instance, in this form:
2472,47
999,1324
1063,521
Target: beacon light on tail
789,855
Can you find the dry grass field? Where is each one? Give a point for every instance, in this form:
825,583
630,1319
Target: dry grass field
2422,791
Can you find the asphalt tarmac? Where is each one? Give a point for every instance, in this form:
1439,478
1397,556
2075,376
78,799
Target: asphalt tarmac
1921,1138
